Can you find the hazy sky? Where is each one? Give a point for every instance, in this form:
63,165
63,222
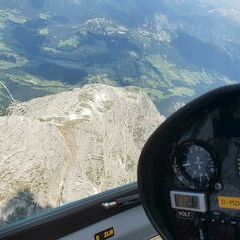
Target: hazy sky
225,3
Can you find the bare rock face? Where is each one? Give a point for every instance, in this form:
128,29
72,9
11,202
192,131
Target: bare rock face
74,144
33,157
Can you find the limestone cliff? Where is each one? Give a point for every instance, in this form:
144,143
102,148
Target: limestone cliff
67,146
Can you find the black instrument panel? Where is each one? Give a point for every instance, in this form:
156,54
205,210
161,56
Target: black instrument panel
194,156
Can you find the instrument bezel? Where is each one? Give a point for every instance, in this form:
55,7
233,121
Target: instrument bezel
185,178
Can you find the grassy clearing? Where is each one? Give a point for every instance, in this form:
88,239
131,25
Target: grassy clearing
44,31
50,50
30,80
155,94
173,73
182,91
11,16
68,44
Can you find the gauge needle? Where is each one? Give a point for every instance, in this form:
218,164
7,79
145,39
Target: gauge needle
186,164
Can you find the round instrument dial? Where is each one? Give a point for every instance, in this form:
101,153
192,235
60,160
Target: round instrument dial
194,165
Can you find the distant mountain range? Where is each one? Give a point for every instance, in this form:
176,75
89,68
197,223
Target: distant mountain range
173,50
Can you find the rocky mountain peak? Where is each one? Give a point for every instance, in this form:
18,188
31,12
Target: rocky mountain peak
67,146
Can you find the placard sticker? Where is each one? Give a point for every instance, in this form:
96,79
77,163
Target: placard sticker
106,234
229,202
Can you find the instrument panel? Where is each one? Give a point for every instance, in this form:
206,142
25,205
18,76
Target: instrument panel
189,170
